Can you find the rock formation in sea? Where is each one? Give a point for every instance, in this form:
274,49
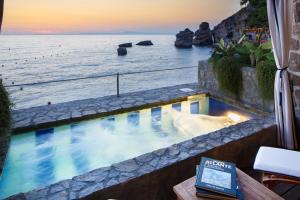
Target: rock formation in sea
122,51
126,45
145,43
184,39
203,36
229,29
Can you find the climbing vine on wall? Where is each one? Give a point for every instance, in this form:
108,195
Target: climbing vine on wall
228,74
265,73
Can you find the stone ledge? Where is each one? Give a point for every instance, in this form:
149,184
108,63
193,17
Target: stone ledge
58,114
93,184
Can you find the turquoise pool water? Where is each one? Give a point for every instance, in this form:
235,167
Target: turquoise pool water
43,157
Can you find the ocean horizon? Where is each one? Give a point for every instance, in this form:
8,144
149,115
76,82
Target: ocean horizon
39,58
91,33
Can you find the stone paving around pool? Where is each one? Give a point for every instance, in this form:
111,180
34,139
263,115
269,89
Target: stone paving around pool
51,115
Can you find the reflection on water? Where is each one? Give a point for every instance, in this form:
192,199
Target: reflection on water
80,161
45,153
39,158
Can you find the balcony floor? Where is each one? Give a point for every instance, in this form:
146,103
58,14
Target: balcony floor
285,190
288,191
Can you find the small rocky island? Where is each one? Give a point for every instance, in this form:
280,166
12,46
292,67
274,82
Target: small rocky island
202,37
145,43
126,45
122,50
184,39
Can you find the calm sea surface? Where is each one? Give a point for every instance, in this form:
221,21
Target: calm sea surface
36,58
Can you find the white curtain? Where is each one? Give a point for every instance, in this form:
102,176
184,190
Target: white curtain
280,23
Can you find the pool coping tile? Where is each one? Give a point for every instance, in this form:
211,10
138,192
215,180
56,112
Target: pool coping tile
57,114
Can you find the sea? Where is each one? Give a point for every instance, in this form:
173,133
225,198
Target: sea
27,59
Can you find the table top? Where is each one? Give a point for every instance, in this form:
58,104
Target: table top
252,189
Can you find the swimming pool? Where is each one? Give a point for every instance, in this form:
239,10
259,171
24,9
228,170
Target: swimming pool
36,159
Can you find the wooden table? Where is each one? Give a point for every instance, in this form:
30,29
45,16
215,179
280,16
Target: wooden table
252,189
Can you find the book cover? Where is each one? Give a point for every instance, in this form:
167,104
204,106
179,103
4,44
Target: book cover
217,176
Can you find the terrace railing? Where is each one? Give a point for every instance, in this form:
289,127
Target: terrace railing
117,75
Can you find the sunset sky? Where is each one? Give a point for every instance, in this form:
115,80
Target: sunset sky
104,16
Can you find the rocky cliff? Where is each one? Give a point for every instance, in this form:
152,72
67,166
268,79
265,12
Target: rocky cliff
230,28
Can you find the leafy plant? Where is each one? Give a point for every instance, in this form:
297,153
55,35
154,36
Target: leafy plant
264,52
246,51
257,52
265,74
221,50
5,111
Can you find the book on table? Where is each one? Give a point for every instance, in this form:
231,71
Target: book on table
217,180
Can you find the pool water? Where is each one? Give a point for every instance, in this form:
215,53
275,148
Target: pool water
43,157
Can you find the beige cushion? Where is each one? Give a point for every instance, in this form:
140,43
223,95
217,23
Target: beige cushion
279,161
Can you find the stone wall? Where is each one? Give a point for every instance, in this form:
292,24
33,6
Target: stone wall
250,94
294,68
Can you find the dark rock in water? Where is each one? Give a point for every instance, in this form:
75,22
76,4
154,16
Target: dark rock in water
126,45
184,39
203,36
145,43
122,51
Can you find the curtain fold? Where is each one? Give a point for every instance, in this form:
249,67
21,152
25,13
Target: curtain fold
280,24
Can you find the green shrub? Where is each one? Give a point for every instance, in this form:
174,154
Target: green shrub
5,111
265,73
228,73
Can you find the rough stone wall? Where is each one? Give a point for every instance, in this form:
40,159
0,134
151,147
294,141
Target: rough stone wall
294,67
250,94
